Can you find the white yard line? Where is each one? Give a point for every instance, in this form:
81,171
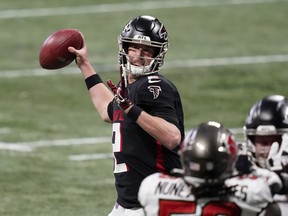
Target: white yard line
68,142
83,157
242,60
5,130
120,7
31,146
205,62
15,147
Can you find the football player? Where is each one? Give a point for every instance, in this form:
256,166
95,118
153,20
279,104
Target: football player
144,108
208,185
266,131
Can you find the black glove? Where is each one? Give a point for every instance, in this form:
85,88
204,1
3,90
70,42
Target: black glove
121,95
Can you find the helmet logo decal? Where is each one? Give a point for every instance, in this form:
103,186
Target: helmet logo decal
163,33
155,90
127,27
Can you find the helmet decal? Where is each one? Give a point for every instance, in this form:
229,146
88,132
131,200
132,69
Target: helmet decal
163,33
127,27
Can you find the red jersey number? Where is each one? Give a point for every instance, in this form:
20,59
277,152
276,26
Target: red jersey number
214,208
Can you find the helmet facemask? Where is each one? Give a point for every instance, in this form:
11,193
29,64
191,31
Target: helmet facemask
260,144
156,61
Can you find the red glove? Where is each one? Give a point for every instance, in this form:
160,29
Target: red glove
121,94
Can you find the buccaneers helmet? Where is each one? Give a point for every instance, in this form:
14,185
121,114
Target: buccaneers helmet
208,154
144,30
267,120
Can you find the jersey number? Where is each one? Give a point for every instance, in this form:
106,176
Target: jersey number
117,147
169,207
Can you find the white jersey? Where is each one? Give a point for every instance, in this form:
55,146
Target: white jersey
163,195
281,200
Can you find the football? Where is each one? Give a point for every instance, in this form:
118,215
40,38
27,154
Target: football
54,52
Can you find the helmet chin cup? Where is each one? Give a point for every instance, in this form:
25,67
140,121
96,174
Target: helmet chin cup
137,71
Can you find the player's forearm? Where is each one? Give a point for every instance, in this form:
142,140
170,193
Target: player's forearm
165,132
101,97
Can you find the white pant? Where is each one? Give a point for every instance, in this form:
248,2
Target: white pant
120,211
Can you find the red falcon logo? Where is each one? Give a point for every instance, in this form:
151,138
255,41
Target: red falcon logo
155,90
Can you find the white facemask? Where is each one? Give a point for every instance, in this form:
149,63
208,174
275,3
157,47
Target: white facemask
140,70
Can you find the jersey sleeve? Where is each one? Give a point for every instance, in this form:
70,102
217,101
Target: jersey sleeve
158,97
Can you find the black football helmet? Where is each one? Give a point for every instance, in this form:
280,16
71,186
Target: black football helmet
145,30
268,117
208,154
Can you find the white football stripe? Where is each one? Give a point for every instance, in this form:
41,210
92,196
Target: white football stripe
83,157
206,62
120,7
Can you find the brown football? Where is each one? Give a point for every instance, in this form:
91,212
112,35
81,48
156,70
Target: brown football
54,52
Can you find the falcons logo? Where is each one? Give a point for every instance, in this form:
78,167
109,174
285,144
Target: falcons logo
155,90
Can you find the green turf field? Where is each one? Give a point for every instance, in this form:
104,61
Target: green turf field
223,56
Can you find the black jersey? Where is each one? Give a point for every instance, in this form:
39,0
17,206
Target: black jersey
136,153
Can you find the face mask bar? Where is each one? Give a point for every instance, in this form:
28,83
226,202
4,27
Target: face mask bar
137,71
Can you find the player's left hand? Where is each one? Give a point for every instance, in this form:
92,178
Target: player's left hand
121,94
278,156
